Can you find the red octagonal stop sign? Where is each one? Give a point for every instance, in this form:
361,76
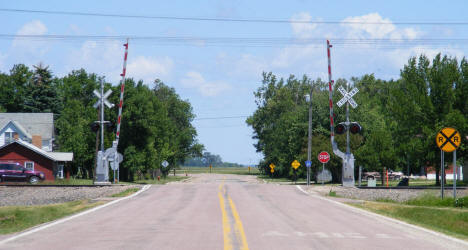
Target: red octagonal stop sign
323,157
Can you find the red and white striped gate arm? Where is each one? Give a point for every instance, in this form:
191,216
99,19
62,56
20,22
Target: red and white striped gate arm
122,88
330,98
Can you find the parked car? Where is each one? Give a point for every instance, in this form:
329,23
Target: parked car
371,175
395,175
13,171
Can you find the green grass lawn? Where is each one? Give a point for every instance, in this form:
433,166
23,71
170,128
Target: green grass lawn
217,170
126,192
169,178
416,182
427,211
18,218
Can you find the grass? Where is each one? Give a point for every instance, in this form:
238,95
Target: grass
169,178
218,170
332,193
452,221
18,218
415,182
126,192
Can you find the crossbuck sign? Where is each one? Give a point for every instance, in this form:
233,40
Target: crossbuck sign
104,97
348,97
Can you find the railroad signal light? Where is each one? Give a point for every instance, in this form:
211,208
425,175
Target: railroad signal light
110,127
340,129
355,128
94,126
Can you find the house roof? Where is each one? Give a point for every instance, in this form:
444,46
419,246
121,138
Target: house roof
33,123
55,156
18,126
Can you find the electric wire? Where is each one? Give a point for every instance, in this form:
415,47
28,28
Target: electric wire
383,43
240,20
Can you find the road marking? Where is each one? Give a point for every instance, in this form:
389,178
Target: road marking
384,218
239,229
232,224
60,221
226,226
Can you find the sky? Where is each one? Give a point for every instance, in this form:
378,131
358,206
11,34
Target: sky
216,65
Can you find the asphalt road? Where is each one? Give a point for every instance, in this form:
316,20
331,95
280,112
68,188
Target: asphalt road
228,212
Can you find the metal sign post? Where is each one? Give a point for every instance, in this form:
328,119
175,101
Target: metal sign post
323,157
102,168
448,140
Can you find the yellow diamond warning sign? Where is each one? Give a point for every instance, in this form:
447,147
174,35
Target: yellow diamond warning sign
295,164
448,139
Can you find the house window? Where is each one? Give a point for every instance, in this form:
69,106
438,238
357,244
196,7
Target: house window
29,165
9,137
60,171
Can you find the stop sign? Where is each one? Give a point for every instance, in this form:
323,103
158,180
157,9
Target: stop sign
323,157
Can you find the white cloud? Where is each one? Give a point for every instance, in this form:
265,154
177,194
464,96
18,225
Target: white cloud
100,58
377,28
27,48
149,69
303,30
195,80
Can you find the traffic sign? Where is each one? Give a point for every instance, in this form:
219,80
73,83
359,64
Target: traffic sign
308,163
165,164
104,98
347,97
323,157
272,166
448,139
295,164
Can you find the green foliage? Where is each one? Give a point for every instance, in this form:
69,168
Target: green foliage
400,118
156,123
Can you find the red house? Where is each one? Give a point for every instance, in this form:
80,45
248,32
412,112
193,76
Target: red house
52,164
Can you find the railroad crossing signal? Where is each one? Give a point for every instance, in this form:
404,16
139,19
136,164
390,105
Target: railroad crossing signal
448,139
347,97
295,164
104,98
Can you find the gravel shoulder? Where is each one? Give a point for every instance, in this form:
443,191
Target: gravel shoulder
39,195
399,195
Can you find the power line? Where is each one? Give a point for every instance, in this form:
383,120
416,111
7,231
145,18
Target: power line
243,20
383,43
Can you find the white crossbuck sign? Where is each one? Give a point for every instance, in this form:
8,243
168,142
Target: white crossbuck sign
348,97
104,97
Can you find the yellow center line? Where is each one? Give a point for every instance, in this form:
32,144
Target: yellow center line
237,228
226,226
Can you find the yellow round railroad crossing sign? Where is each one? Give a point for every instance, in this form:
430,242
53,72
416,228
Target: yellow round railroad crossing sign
448,139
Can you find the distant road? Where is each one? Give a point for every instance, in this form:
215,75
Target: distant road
213,211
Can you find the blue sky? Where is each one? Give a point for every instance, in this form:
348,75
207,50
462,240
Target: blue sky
220,80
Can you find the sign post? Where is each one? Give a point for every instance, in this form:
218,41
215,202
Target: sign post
295,164
308,164
272,169
323,157
348,171
448,140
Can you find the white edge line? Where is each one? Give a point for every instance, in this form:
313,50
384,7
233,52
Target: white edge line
37,229
370,214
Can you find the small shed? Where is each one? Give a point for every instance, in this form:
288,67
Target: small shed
52,164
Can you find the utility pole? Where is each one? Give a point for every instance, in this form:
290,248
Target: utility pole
309,141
